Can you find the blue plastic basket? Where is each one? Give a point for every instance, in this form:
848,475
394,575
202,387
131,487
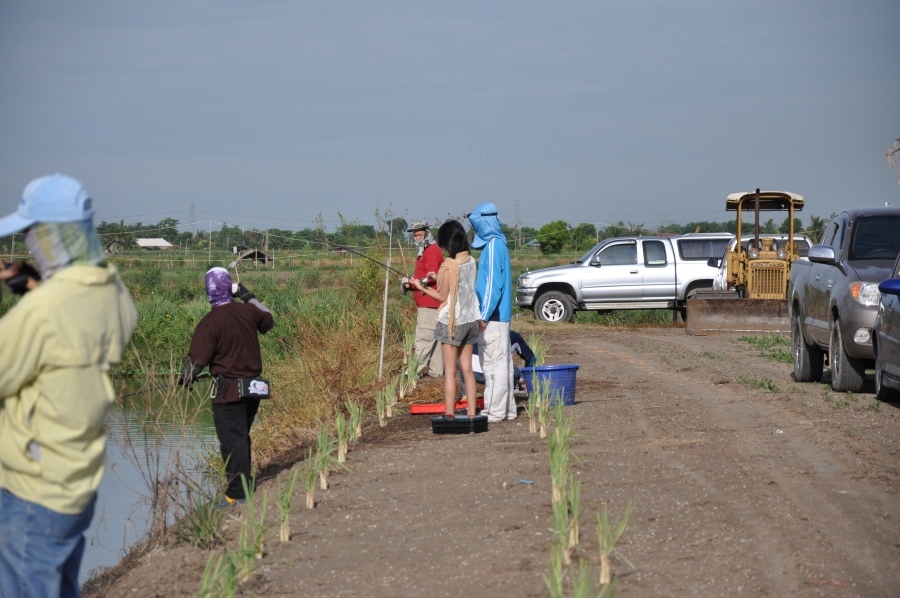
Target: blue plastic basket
561,377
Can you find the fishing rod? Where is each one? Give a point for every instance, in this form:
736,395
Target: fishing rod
371,259
383,265
425,281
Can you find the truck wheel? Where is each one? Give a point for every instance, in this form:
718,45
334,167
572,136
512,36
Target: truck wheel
808,359
554,306
883,393
846,372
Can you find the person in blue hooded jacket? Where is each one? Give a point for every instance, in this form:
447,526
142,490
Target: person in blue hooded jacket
494,289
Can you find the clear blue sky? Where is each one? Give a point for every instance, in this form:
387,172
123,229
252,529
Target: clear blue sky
265,114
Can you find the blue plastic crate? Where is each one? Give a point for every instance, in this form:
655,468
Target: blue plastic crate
561,377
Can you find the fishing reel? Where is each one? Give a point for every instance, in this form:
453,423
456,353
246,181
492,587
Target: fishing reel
405,286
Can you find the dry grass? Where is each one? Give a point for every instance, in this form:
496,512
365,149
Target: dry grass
327,366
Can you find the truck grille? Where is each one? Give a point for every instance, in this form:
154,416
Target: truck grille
768,280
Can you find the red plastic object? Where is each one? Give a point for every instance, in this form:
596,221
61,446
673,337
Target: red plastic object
420,408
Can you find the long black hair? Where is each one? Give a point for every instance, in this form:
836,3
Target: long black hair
452,238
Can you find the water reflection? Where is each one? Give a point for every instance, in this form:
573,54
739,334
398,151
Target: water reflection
148,433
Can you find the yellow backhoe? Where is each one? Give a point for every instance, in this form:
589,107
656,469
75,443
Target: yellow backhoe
754,297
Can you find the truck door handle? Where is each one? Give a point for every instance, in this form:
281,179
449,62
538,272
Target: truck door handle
633,272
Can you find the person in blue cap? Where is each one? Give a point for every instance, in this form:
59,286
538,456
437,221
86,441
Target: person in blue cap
74,319
495,297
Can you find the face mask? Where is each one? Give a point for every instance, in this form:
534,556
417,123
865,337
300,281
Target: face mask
57,245
424,242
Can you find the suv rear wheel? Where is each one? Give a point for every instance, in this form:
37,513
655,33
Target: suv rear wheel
808,359
846,372
554,306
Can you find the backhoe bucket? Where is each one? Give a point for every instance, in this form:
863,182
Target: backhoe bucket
730,314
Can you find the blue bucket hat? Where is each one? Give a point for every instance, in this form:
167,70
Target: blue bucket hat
53,198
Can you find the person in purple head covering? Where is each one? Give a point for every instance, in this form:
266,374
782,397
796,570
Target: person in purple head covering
226,340
218,286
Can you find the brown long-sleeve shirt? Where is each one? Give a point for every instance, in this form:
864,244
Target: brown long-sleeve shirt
226,340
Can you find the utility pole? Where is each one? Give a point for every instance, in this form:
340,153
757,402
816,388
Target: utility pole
192,216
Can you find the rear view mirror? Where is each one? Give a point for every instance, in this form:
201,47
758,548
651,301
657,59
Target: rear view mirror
714,262
821,254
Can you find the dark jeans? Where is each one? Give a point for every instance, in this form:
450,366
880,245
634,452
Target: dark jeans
233,421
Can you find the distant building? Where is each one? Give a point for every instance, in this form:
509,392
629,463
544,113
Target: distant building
154,244
256,257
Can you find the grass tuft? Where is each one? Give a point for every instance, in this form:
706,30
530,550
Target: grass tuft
608,534
765,385
285,498
773,346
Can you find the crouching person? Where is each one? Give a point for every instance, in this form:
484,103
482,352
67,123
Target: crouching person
74,319
226,341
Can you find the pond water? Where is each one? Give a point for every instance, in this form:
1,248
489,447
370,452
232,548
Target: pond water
137,452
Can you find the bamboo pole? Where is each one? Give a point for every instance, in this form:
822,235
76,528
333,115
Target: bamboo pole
387,274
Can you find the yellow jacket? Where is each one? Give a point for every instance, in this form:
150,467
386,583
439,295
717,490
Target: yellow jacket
56,345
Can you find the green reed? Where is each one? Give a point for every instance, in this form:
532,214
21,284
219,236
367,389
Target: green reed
285,499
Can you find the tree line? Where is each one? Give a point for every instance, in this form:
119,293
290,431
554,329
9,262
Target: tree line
554,237
118,236
559,236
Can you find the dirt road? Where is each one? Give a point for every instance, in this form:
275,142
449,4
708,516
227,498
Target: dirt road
745,484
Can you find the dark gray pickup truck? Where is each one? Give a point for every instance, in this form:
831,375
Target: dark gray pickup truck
833,297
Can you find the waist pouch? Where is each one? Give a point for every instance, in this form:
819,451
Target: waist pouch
247,388
254,388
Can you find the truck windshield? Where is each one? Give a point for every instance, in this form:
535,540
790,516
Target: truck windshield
875,238
590,254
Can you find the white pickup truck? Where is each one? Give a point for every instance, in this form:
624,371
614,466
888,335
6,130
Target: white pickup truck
624,273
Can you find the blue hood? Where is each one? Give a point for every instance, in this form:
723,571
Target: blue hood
486,223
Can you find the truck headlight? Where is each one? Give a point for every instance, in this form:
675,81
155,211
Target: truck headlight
866,293
781,254
523,281
754,253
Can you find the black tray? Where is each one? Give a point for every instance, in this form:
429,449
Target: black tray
461,424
